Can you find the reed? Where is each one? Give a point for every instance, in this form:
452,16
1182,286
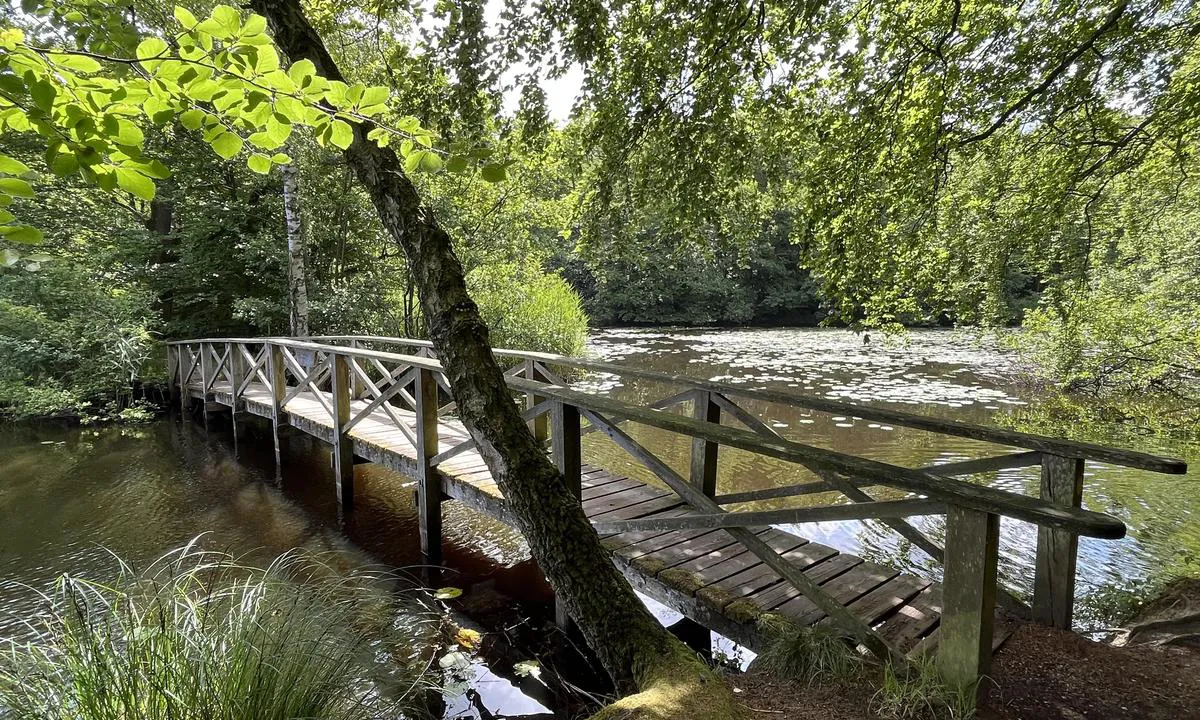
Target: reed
199,636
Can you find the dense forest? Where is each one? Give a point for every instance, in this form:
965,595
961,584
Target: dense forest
973,164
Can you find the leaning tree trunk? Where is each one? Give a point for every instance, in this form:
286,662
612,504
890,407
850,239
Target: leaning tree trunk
294,219
633,647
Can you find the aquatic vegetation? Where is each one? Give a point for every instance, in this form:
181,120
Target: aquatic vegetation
197,635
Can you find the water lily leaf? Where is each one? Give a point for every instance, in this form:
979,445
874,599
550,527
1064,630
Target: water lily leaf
448,593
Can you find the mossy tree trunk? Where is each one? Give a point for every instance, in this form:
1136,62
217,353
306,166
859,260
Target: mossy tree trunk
635,649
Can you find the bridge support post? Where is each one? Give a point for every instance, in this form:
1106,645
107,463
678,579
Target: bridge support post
537,425
429,484
568,458
704,452
969,596
278,374
237,371
185,368
172,373
205,351
1057,550
343,451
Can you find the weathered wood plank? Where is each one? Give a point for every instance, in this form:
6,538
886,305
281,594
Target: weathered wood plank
915,619
888,597
846,588
772,597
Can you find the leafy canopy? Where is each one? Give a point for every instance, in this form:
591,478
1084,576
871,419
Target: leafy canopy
91,97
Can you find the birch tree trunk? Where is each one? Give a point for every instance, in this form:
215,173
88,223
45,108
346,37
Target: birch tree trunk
294,219
634,648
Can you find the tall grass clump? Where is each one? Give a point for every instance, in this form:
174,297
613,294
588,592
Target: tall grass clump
198,636
806,654
918,693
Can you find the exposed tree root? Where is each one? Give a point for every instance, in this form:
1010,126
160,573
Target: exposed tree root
678,685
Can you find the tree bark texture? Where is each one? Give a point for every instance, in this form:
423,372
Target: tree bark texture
630,643
294,220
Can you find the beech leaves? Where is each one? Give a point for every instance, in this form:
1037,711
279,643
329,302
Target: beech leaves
219,76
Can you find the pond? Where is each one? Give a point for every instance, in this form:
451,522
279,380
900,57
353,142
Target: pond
71,498
940,373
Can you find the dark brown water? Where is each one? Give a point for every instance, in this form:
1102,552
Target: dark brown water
70,497
943,374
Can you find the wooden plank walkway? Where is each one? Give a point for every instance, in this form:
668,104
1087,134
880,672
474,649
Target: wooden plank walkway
704,574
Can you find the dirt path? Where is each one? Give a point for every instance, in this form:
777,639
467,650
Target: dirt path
1039,674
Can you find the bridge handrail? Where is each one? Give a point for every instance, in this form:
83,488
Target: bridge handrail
949,490
1000,436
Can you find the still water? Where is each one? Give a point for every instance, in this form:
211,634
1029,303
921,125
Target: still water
71,498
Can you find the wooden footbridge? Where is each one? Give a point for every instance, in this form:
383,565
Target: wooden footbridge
678,543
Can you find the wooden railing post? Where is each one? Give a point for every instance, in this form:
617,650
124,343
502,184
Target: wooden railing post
277,371
1057,550
537,425
704,452
968,596
343,451
356,389
429,485
568,458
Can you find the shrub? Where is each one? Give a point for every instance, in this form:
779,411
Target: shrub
198,636
527,308
68,338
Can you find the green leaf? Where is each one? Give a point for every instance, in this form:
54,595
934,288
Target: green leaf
302,71
10,166
456,164
228,18
153,168
185,17
447,593
64,164
135,183
494,173
43,93
227,145
6,216
281,158
255,25
342,135
151,47
16,188
22,234
259,163
78,63
192,119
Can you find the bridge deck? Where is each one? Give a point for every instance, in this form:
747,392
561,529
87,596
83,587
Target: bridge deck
704,574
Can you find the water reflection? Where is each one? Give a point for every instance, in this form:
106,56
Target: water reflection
944,374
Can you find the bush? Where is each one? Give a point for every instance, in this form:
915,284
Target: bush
527,308
68,338
198,636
